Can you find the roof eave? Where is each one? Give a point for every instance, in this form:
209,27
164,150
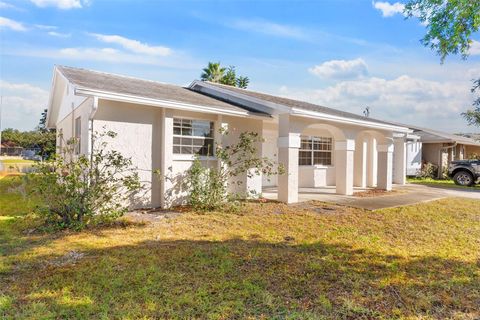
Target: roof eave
50,99
164,103
468,143
363,123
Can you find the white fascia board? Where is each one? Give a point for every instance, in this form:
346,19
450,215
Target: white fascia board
452,141
56,73
50,98
436,141
413,136
161,103
271,108
301,112
363,123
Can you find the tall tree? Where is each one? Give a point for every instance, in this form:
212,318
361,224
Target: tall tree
41,137
230,77
46,138
450,26
473,115
213,72
242,82
42,124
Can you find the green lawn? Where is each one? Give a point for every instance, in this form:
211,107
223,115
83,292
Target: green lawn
269,261
440,183
13,161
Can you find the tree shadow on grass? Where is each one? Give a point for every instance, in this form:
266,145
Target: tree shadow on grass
241,278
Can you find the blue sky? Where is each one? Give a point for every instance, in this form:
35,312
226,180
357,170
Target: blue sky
338,53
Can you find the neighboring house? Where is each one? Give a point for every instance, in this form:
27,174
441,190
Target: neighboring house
163,126
413,155
439,148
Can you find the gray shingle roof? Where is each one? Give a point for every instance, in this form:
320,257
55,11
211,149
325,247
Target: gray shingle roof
432,136
94,80
291,103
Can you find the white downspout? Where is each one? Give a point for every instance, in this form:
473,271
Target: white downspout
90,126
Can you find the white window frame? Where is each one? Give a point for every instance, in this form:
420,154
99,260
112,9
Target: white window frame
312,150
176,136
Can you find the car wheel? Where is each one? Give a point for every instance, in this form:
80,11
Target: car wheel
463,178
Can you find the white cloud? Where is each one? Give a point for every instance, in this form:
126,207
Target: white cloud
61,4
22,104
11,24
97,54
59,34
403,99
269,28
389,9
133,45
5,5
474,48
340,69
116,56
45,27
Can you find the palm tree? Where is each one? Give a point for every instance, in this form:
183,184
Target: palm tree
242,82
213,72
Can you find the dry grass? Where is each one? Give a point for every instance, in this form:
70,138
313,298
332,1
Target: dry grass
271,261
375,193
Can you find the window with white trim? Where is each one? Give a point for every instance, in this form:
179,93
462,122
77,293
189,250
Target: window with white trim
315,150
192,137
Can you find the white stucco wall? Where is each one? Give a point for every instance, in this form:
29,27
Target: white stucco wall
270,150
66,125
67,98
236,126
138,137
317,175
308,176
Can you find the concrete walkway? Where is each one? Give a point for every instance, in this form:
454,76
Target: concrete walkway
405,195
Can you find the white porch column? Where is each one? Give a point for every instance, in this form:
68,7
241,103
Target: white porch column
288,156
372,158
344,162
288,145
360,166
385,157
166,161
253,179
400,160
219,135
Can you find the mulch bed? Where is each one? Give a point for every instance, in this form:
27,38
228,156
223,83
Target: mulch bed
374,193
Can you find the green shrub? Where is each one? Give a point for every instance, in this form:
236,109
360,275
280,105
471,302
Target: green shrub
76,190
428,170
209,187
474,156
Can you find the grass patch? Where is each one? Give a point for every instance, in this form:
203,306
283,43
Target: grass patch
270,261
13,161
447,183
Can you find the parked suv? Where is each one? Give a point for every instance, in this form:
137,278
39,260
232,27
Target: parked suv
464,172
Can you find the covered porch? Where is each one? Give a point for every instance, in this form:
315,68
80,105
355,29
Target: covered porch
333,156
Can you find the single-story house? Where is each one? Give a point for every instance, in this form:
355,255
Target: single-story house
439,148
163,126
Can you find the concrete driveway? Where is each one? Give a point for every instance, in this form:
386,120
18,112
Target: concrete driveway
406,195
